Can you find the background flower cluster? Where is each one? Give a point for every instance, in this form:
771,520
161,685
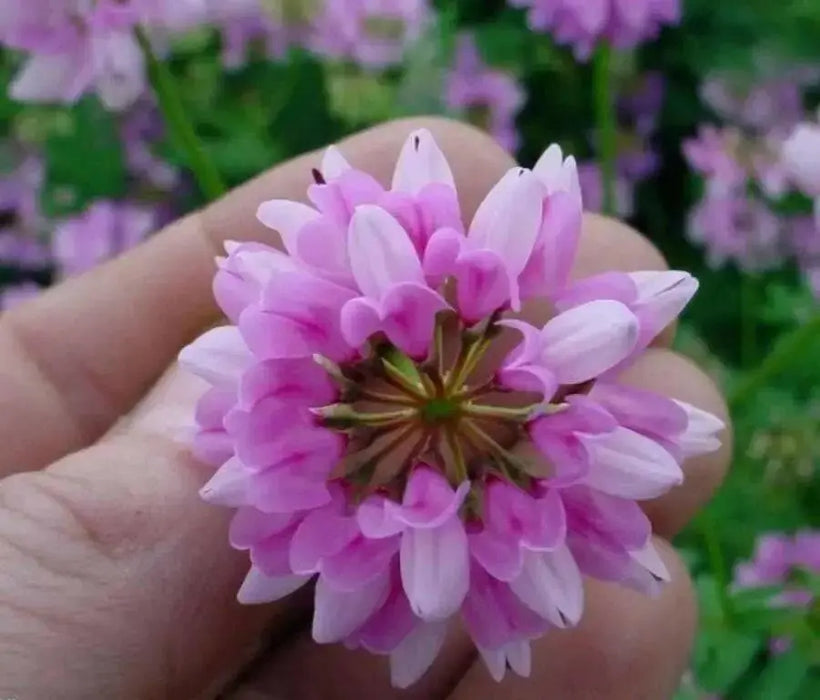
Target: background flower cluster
696,121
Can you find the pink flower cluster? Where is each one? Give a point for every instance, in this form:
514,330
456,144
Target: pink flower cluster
776,558
105,230
77,46
584,23
765,146
371,434
489,98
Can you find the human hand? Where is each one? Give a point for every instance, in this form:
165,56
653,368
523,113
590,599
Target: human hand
116,581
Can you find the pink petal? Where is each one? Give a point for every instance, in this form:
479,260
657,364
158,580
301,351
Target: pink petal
250,526
530,378
272,433
509,220
550,585
409,317
219,356
411,659
495,616
558,174
439,208
421,163
228,486
435,569
566,454
294,380
702,430
259,588
586,341
359,320
323,244
615,286
537,523
287,491
484,285
321,534
334,164
517,654
443,249
499,555
429,500
359,562
529,350
628,465
642,411
376,520
213,406
288,218
381,253
272,555
338,614
661,298
385,630
549,267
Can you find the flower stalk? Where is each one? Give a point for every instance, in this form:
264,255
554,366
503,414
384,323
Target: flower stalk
180,127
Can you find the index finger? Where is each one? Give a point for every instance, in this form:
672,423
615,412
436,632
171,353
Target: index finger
80,356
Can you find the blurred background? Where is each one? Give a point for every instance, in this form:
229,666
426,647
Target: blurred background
695,120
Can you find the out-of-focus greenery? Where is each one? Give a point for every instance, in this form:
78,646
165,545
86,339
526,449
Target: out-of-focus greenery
268,111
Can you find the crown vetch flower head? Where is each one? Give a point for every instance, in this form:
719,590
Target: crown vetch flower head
374,431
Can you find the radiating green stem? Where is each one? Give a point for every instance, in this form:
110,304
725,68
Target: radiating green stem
606,123
717,563
180,128
793,345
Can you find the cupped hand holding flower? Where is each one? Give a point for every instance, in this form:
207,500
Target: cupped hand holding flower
438,416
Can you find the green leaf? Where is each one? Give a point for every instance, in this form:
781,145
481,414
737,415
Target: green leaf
723,655
84,161
781,678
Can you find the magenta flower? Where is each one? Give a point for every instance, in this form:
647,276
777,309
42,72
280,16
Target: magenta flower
374,33
583,23
103,231
489,98
372,436
777,557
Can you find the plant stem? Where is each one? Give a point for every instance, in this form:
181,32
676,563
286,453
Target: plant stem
748,343
790,346
717,563
180,128
606,123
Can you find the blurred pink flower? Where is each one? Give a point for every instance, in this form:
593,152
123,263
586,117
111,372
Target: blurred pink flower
373,33
735,227
359,443
22,224
801,158
102,232
592,186
777,557
583,23
75,46
489,98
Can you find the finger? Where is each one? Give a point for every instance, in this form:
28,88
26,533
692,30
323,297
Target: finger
667,373
84,353
627,647
309,671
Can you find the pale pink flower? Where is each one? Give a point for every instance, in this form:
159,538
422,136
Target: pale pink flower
489,98
776,558
355,430
75,46
583,23
801,157
374,33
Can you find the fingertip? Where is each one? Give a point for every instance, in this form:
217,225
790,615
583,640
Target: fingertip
671,374
609,244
